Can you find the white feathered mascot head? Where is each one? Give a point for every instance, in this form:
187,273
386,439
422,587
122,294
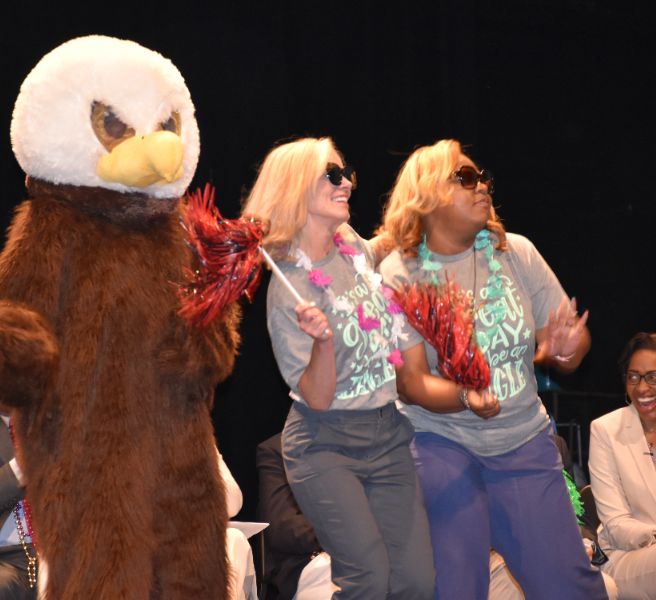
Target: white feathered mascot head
102,112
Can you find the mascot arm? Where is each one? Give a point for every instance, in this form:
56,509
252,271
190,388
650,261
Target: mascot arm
191,362
28,281
28,355
222,341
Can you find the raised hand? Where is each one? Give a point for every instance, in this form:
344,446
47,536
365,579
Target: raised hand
563,333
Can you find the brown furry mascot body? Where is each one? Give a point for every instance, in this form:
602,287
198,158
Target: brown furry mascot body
110,392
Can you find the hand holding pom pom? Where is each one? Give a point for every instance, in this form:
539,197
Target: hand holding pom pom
443,316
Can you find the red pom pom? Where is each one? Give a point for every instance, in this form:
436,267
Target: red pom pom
444,317
229,261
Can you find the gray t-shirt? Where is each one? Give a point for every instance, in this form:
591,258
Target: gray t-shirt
365,379
531,291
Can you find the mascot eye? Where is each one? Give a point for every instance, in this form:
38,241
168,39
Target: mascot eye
109,129
172,124
114,126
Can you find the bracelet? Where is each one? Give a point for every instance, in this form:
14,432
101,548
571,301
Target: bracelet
462,396
561,358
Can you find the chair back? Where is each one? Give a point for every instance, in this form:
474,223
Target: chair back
592,518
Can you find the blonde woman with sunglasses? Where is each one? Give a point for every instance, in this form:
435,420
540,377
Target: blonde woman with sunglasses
345,444
490,471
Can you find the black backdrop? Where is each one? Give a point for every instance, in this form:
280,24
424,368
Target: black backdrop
554,96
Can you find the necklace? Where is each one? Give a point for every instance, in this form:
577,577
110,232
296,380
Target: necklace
652,450
24,507
319,279
493,311
31,558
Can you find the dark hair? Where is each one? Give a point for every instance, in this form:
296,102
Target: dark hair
640,341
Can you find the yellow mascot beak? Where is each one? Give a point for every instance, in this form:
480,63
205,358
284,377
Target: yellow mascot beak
141,161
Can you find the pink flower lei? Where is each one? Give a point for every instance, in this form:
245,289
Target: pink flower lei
323,281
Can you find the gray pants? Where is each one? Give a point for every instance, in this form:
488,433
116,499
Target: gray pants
354,479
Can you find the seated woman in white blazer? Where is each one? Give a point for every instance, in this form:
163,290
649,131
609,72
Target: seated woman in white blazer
623,475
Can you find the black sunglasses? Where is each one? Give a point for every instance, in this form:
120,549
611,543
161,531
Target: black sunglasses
334,173
468,177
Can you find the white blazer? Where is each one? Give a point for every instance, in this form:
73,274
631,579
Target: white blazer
623,479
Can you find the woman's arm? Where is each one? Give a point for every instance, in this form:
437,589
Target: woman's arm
418,386
318,381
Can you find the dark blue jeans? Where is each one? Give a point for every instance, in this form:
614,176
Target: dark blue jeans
518,504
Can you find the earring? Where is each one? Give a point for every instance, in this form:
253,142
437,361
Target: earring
627,400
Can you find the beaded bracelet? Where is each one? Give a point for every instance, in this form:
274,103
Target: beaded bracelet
463,397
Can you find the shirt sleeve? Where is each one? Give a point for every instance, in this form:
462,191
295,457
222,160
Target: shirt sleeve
291,347
542,285
352,237
395,276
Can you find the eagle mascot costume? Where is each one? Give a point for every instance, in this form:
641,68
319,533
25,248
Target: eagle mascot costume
109,389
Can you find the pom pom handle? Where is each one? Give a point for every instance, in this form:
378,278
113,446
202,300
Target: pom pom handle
276,270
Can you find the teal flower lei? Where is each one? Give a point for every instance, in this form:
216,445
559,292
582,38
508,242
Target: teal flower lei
494,289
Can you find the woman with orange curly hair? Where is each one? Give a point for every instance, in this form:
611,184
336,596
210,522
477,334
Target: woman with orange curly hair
489,468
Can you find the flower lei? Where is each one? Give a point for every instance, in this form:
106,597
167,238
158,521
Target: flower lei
374,282
574,496
493,291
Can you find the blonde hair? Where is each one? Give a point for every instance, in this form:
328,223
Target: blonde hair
286,181
422,185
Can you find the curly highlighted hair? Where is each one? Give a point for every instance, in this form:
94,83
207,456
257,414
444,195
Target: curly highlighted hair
424,183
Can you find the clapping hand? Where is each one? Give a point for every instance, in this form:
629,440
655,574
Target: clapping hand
563,334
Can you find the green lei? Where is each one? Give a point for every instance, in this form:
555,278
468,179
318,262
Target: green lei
494,289
574,496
